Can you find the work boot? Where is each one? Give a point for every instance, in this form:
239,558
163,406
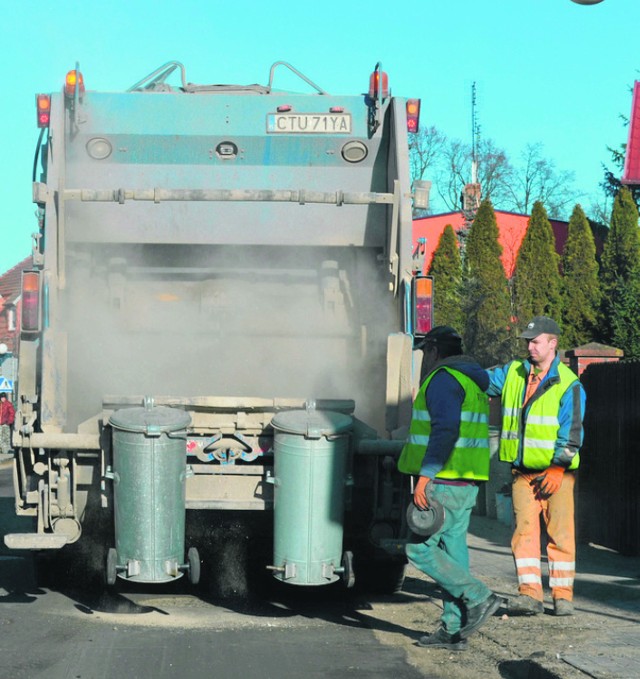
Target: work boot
524,605
562,607
442,639
479,614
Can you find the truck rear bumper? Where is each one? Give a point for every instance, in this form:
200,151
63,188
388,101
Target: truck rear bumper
35,541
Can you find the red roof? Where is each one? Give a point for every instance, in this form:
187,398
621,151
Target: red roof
511,230
631,174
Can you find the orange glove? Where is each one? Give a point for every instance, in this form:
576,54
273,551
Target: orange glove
420,492
551,480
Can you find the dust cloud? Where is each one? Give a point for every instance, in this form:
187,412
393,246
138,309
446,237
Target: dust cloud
224,321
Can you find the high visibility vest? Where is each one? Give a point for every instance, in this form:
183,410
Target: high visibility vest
470,456
537,429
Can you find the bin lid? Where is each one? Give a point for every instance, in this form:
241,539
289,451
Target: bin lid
150,420
312,423
425,522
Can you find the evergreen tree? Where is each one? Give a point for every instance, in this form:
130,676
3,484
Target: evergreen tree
625,312
486,303
446,269
537,283
622,247
581,291
620,276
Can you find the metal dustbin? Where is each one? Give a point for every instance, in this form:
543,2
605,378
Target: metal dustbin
149,471
311,449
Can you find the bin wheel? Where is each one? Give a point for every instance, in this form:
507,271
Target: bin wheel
112,559
348,576
193,559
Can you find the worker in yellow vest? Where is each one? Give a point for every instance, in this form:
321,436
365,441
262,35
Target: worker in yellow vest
543,406
448,451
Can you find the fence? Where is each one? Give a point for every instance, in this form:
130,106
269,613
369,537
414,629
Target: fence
608,501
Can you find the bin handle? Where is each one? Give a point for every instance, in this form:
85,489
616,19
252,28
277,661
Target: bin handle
110,474
181,434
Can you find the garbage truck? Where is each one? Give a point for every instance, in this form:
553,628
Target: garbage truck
218,328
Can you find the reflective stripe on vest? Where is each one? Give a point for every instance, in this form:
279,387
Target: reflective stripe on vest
540,430
470,456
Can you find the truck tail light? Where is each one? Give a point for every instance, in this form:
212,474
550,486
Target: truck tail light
73,81
422,304
413,115
378,84
43,106
30,321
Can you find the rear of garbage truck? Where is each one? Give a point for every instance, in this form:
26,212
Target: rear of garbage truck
219,323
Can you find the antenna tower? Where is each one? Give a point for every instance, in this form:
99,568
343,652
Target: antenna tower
475,136
472,192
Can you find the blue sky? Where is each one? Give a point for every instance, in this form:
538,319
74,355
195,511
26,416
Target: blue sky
547,71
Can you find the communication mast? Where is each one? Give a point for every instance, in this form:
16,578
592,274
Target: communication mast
472,192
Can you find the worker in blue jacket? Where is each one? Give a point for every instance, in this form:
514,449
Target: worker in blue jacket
543,407
448,451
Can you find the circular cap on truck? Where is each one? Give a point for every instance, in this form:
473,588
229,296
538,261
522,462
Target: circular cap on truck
313,424
150,420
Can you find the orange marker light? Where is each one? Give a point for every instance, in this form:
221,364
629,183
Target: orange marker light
378,85
73,80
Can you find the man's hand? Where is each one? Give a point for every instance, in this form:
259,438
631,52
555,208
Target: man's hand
420,492
550,481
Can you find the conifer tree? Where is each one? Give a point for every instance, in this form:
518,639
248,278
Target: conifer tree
581,289
486,303
446,269
625,312
537,284
620,277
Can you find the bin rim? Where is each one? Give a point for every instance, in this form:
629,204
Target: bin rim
312,423
157,420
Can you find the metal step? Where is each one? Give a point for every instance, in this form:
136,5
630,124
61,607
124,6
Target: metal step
35,541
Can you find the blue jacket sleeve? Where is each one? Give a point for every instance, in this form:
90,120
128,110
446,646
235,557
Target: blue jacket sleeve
444,401
570,432
497,378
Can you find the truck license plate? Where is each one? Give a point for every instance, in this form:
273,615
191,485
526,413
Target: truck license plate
309,123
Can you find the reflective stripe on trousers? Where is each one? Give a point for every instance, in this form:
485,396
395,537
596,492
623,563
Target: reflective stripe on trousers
558,515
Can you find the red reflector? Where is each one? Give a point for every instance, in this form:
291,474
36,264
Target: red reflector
43,106
631,174
336,109
30,321
73,80
413,115
284,107
423,305
378,85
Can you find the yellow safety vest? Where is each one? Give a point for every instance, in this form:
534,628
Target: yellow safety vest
538,430
470,456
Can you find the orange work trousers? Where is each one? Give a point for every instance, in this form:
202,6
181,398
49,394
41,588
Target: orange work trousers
557,514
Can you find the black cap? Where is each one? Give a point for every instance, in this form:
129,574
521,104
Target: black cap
539,325
442,334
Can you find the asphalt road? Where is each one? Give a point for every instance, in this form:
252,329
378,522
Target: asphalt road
73,631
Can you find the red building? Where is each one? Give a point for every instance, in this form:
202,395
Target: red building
511,228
